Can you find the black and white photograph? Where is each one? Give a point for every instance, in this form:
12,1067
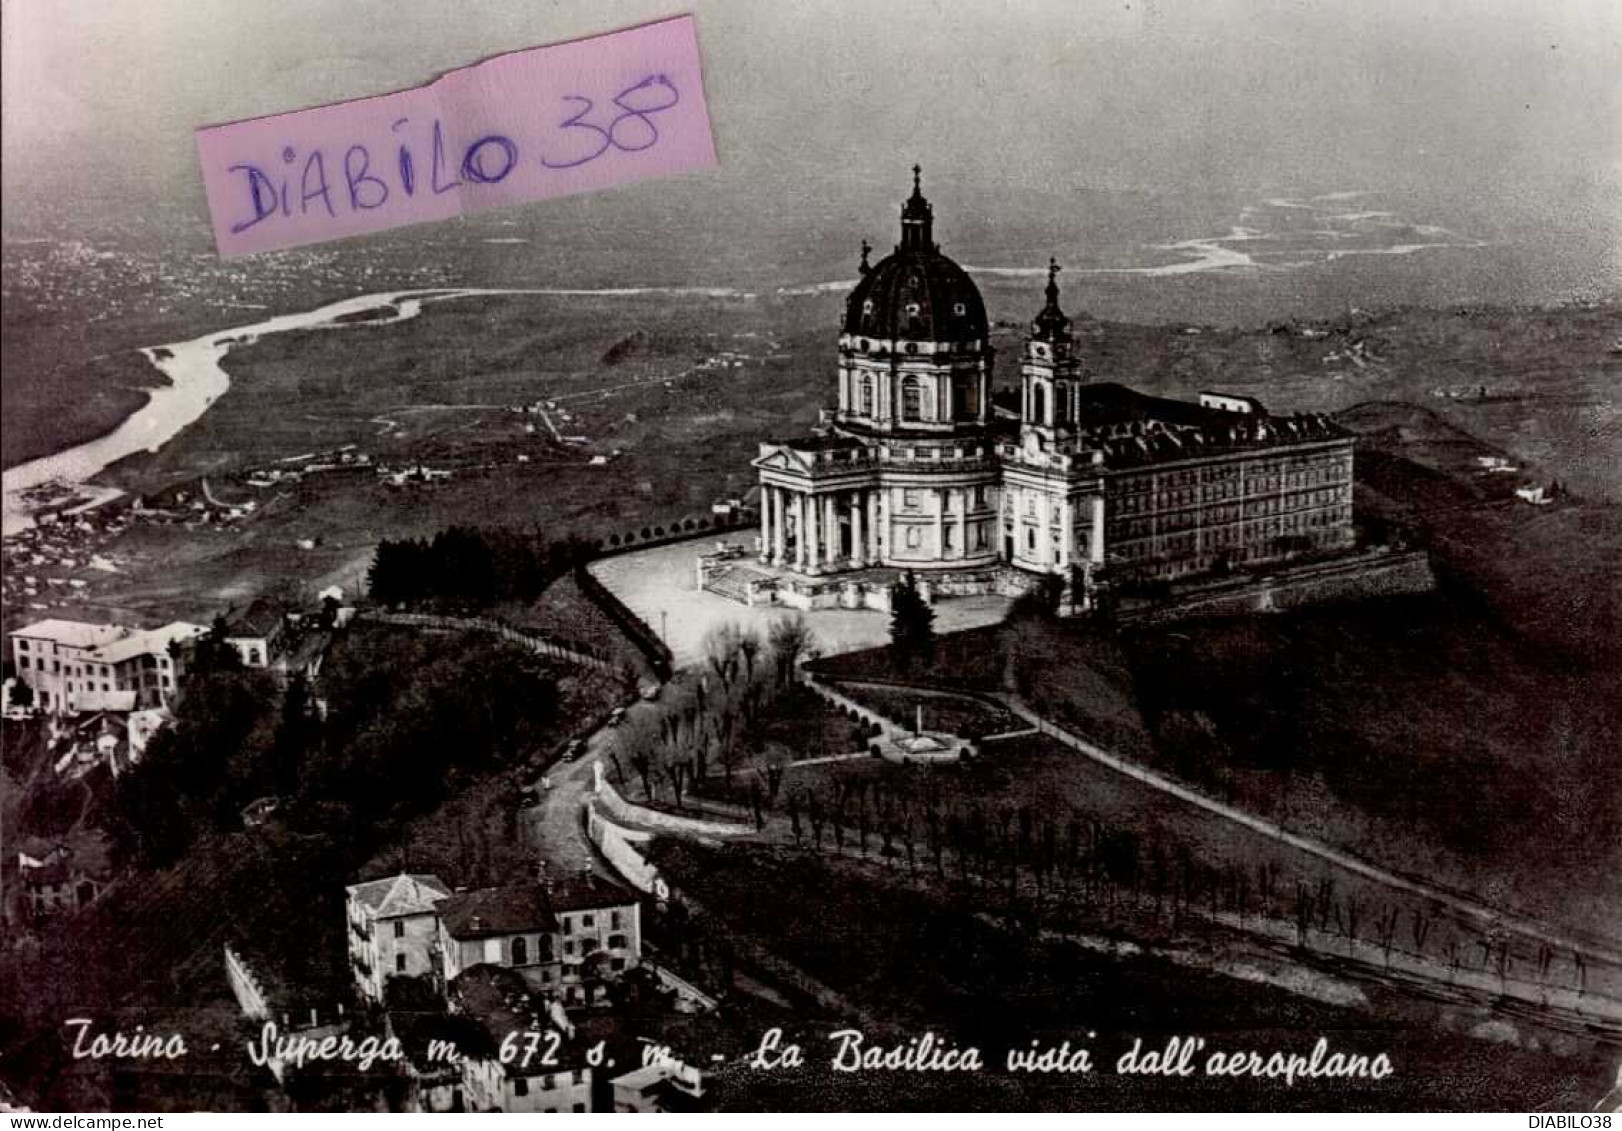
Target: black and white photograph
1003,556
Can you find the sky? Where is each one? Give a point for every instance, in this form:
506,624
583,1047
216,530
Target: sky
1510,106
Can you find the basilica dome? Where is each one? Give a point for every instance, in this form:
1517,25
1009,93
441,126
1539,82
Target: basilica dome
916,293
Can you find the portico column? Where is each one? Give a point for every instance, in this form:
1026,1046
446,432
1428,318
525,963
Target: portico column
809,504
875,553
940,522
830,531
765,523
881,525
1067,532
963,523
1095,549
799,532
779,521
858,548
1004,533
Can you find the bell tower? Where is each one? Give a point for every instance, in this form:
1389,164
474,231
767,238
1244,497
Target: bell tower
1050,368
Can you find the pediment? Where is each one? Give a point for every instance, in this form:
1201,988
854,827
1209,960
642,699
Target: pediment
784,459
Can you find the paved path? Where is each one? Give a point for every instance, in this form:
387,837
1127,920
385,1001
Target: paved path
560,830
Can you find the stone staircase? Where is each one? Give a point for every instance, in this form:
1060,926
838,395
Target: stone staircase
732,582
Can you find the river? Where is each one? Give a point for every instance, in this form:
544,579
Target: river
196,380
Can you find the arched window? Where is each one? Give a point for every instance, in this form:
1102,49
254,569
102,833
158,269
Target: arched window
520,951
912,399
864,404
1039,405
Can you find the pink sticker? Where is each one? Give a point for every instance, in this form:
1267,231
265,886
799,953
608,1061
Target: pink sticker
545,122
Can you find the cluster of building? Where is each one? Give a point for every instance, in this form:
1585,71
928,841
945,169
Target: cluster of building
77,666
490,992
104,691
921,468
62,874
52,560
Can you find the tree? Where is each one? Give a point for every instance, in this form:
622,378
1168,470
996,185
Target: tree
721,652
294,734
630,679
912,623
749,649
212,653
22,696
791,640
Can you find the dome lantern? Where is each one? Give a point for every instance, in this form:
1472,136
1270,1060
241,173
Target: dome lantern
917,218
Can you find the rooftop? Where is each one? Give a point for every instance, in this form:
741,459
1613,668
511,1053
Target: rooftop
1132,428
73,633
819,442
404,894
507,910
500,1002
514,908
150,640
258,620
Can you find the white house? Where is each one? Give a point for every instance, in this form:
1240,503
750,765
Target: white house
393,929
77,666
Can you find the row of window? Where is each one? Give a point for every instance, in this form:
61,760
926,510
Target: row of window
23,664
917,401
589,920
912,536
1291,471
549,1082
912,498
1221,513
1234,534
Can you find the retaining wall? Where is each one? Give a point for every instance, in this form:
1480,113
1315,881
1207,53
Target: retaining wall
1372,575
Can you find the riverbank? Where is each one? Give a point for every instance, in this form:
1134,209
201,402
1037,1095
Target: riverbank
195,379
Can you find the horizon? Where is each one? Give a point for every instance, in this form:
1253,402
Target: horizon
1493,121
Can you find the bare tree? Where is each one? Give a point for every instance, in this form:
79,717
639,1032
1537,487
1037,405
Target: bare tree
1421,931
630,679
676,774
749,646
791,640
1386,925
794,817
721,653
642,763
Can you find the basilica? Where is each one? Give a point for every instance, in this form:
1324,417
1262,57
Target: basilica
921,468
